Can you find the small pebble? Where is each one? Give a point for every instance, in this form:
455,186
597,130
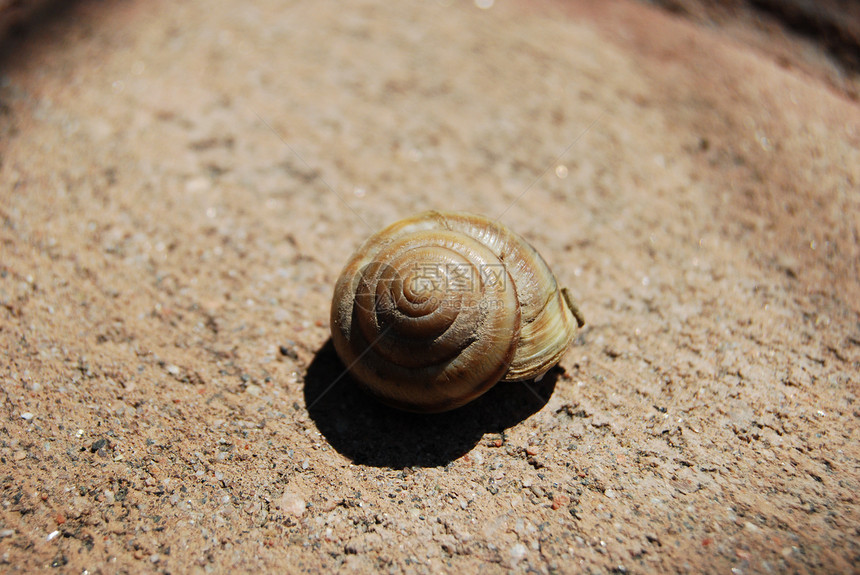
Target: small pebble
518,551
560,500
52,535
752,527
600,420
4,533
26,416
292,503
288,351
194,186
154,558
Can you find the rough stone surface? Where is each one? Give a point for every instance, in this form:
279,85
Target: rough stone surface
182,181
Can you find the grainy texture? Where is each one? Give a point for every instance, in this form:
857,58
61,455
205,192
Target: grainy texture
182,182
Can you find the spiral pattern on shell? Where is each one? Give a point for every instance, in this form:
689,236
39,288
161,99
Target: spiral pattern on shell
432,311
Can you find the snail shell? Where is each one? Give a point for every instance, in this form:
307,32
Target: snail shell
432,311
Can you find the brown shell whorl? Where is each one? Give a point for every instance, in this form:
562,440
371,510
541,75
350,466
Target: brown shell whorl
432,311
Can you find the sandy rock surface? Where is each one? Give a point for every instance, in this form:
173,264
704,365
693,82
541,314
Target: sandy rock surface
181,183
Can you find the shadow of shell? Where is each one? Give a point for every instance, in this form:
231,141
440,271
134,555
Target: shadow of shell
370,433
